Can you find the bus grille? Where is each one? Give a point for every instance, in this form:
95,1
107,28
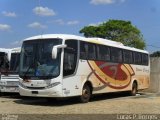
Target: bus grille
12,83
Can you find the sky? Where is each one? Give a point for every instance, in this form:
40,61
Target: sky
20,19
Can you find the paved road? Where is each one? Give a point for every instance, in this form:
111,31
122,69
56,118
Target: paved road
115,103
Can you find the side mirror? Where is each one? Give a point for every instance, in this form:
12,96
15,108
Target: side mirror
55,50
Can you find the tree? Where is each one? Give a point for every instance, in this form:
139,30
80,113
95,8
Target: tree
116,30
155,54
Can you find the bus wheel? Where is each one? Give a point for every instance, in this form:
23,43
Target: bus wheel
86,94
134,89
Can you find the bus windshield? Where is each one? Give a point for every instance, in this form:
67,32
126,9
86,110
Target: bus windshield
1,58
4,63
14,63
36,59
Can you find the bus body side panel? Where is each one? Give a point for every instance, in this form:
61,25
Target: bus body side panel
106,77
114,77
142,76
73,85
111,77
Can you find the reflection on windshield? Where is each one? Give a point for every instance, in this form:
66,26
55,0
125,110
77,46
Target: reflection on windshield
36,59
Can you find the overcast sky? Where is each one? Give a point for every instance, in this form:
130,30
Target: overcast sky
20,19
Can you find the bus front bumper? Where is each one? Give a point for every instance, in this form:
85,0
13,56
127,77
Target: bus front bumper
50,92
9,89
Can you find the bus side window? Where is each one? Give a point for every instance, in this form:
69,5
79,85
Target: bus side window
70,57
116,55
87,51
91,52
127,57
103,53
137,58
145,59
83,50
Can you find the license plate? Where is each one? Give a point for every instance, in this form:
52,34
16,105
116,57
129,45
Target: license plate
34,92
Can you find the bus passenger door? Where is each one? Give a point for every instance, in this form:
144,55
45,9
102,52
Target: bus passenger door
71,80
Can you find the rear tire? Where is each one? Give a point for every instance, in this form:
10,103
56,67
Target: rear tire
134,89
86,94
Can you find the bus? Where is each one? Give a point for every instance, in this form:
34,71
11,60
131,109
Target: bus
62,65
9,67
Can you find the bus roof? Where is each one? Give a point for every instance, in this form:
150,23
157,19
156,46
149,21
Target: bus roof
114,44
5,50
18,49
91,40
61,36
9,50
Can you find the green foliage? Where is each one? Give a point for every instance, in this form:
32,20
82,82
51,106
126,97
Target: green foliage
155,54
116,30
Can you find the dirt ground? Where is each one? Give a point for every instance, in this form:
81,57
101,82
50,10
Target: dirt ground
112,103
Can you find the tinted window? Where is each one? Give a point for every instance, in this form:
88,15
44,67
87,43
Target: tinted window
137,58
70,57
91,52
87,51
4,63
144,59
83,50
127,56
14,63
116,55
103,53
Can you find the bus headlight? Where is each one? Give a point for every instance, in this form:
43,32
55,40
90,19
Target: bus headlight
53,85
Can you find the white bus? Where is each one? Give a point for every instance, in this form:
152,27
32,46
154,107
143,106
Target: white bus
59,65
9,67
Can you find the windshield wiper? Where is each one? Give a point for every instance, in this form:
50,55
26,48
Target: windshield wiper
25,74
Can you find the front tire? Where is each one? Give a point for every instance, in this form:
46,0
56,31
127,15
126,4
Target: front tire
86,94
